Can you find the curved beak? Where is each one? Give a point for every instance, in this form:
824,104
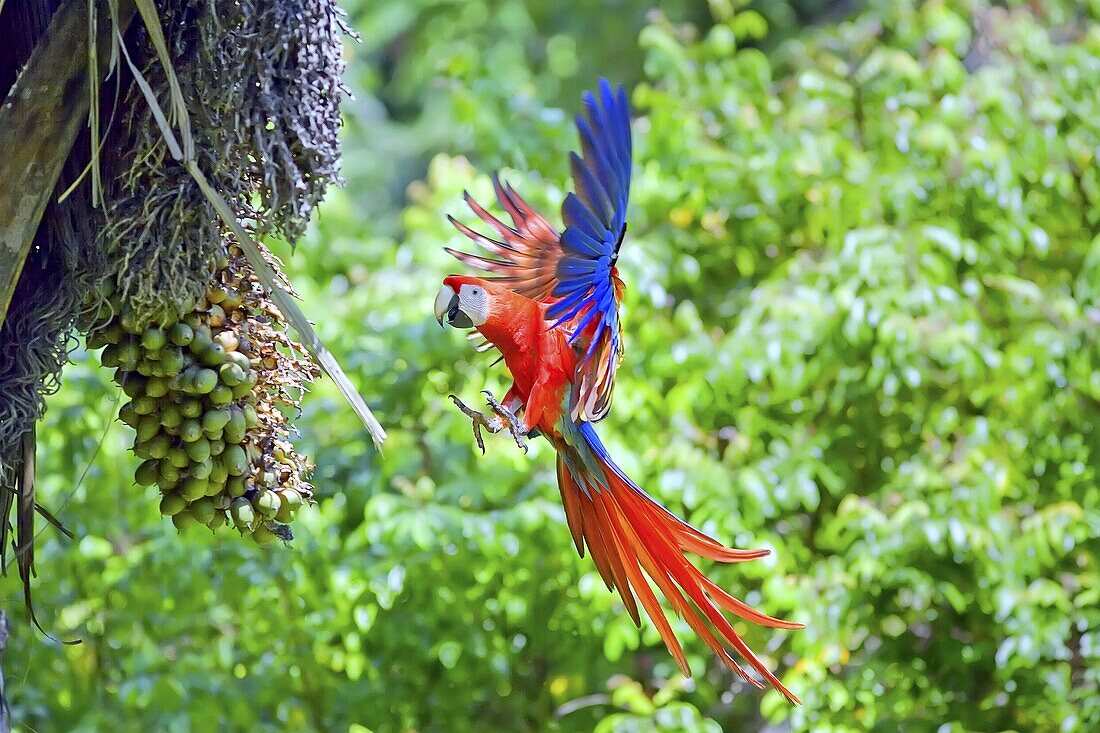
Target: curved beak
447,302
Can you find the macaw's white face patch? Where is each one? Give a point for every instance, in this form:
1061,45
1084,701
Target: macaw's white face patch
474,302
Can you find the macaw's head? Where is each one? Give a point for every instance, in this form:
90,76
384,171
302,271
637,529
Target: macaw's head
465,302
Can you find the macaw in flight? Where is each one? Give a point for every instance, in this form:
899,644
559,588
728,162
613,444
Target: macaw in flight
551,307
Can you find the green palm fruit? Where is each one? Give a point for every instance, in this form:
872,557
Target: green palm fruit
109,357
129,354
235,428
214,355
149,368
196,407
145,405
218,521
220,395
153,339
190,430
177,456
167,485
131,358
181,334
146,473
203,509
169,473
198,450
261,535
242,513
290,501
236,357
129,323
172,361
214,420
191,407
183,519
157,446
241,390
231,374
266,502
218,474
133,385
172,504
147,427
128,415
193,488
157,387
235,486
170,416
200,343
235,460
205,381
202,469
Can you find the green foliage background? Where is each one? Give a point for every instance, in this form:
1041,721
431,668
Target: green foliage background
862,324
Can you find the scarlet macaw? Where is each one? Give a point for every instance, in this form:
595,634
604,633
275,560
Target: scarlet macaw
552,309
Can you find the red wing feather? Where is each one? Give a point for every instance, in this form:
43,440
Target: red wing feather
525,258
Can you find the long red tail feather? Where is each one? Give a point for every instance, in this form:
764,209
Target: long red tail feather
628,532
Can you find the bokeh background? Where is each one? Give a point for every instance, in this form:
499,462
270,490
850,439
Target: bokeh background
862,329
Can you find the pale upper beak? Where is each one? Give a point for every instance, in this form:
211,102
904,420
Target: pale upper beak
447,302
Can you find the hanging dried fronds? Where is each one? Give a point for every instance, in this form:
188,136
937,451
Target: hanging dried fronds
260,87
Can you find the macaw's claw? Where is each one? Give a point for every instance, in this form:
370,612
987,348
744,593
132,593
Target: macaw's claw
501,419
492,424
515,427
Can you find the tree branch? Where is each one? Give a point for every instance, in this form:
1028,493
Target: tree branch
39,121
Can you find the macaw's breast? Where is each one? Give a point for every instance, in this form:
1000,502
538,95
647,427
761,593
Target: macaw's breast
533,353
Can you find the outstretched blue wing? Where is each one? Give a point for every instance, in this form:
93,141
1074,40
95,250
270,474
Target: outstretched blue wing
574,273
588,290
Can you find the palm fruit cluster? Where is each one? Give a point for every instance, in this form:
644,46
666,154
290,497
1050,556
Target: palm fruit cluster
209,397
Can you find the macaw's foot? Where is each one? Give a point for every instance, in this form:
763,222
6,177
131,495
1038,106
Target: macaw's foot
500,419
515,427
492,424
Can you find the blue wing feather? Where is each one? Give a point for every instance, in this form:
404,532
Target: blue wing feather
591,190
575,241
567,308
595,222
584,219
